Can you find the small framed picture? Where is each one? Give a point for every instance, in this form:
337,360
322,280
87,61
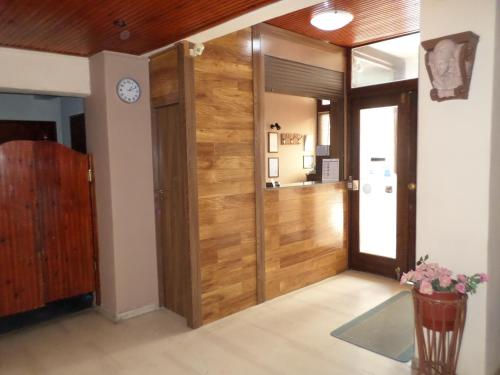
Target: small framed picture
308,162
273,165
272,142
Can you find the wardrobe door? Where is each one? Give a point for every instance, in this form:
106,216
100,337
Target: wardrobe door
65,224
20,270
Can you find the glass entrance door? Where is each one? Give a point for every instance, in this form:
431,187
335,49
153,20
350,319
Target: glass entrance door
378,181
383,163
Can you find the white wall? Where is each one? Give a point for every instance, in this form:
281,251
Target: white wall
493,295
454,160
41,72
119,137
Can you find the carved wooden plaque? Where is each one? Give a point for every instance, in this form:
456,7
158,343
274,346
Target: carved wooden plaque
449,61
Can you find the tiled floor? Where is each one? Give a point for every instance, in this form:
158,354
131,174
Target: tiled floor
288,335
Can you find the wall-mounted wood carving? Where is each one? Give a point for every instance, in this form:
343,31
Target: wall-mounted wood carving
449,61
291,138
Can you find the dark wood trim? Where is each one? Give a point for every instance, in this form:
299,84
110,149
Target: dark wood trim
384,39
260,160
165,101
188,117
348,70
396,93
337,133
385,88
95,234
155,104
412,199
156,186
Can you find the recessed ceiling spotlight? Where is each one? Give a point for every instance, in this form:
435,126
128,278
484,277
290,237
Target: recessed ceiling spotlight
332,20
124,35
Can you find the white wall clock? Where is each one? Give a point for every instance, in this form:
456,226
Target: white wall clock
128,90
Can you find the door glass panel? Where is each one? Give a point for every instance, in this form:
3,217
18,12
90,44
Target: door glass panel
378,181
388,61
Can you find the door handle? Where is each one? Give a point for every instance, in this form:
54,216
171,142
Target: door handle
352,185
412,186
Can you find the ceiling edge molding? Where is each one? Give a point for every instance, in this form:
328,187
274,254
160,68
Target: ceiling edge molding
254,17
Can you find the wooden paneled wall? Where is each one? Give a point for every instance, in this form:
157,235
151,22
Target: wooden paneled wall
226,190
164,78
305,228
174,159
305,236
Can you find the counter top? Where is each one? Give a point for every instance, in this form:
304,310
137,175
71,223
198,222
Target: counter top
304,184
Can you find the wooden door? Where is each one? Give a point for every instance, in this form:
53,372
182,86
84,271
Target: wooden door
20,267
27,130
65,221
383,160
172,209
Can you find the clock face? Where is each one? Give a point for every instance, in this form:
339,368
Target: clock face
128,90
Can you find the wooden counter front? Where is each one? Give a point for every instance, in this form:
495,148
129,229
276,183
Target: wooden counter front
305,235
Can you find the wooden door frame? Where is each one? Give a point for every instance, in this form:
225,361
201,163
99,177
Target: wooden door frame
390,89
260,157
95,233
187,115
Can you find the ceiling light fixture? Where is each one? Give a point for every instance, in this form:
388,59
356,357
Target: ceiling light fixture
332,20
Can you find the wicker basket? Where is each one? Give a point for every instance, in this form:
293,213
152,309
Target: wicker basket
439,325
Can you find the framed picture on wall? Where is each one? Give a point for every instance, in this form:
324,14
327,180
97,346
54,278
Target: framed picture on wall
308,162
273,167
272,142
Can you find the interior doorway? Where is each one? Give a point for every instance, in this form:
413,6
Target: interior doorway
383,168
171,209
11,130
78,133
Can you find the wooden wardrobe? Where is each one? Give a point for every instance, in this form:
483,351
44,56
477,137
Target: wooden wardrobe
48,248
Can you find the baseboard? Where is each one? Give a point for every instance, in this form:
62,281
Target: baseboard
137,312
127,314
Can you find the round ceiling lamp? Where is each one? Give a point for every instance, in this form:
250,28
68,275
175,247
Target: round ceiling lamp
333,20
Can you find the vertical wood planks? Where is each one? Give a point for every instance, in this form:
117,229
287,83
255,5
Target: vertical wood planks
173,209
226,186
164,78
65,220
20,270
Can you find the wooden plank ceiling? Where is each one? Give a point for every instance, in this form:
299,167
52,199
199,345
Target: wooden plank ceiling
87,27
374,20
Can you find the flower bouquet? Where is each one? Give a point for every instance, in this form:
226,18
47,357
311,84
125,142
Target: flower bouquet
428,278
440,305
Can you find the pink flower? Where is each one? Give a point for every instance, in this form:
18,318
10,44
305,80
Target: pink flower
425,287
407,277
444,281
483,277
443,271
460,287
461,278
418,275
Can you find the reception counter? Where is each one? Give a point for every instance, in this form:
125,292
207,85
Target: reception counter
305,235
